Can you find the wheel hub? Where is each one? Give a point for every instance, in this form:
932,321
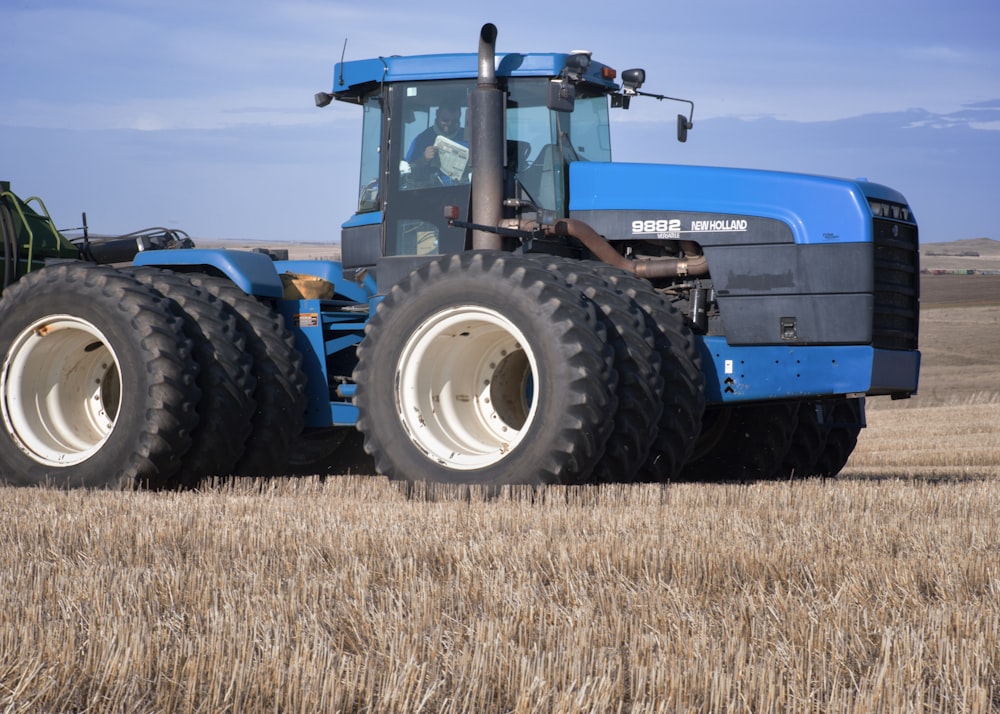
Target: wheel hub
61,389
465,387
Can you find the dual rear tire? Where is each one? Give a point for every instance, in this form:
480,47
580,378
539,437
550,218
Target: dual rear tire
98,386
154,379
495,369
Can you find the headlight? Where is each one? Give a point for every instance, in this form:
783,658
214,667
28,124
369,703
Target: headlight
884,209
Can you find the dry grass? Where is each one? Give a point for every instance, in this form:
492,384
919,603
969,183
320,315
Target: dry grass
956,441
851,596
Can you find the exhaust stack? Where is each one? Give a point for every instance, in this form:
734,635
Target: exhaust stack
486,153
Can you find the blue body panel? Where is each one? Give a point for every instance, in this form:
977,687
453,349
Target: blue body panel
818,209
320,333
253,273
757,373
370,218
323,329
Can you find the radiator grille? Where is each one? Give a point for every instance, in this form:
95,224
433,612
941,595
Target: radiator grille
897,285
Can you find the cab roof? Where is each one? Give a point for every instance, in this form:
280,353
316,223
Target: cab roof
359,77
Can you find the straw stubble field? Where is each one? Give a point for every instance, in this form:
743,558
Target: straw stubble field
879,591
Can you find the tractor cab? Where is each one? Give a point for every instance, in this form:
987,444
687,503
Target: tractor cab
417,140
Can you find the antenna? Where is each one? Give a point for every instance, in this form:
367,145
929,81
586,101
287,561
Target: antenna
342,53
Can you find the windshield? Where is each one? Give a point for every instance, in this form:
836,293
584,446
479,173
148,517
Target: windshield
541,143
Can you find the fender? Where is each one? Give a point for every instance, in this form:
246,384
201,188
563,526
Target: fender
253,273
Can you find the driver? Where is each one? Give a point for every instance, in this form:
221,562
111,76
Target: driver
423,154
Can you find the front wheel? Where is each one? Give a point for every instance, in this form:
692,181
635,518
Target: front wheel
843,421
743,443
483,368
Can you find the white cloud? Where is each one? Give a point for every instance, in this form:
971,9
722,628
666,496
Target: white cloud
220,111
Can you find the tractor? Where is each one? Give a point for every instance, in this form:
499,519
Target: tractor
510,307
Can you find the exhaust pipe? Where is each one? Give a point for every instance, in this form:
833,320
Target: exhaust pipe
486,154
693,265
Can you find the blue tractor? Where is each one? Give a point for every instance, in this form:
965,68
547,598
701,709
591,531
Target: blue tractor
511,307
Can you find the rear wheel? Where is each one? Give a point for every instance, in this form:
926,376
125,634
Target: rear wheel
225,376
483,368
279,393
97,385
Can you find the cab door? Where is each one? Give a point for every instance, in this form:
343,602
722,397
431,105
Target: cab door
415,201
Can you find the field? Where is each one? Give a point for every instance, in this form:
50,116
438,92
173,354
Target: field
875,592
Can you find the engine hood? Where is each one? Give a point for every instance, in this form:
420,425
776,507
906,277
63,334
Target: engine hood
817,209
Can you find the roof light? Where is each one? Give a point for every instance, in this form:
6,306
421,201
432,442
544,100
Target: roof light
578,60
608,73
632,79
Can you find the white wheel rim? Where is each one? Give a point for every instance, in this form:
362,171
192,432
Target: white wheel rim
61,388
466,387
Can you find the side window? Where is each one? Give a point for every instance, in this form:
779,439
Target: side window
591,129
532,144
371,133
541,143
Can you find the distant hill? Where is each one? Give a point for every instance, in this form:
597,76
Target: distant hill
986,247
967,254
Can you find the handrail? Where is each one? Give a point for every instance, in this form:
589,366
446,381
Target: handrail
19,206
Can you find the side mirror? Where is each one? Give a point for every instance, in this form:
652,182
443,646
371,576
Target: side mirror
562,96
682,128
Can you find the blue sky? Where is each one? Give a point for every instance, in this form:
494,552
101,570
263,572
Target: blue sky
198,114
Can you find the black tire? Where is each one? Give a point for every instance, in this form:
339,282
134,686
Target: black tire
115,369
683,391
446,391
316,451
640,384
843,421
225,376
749,443
334,451
808,442
279,393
